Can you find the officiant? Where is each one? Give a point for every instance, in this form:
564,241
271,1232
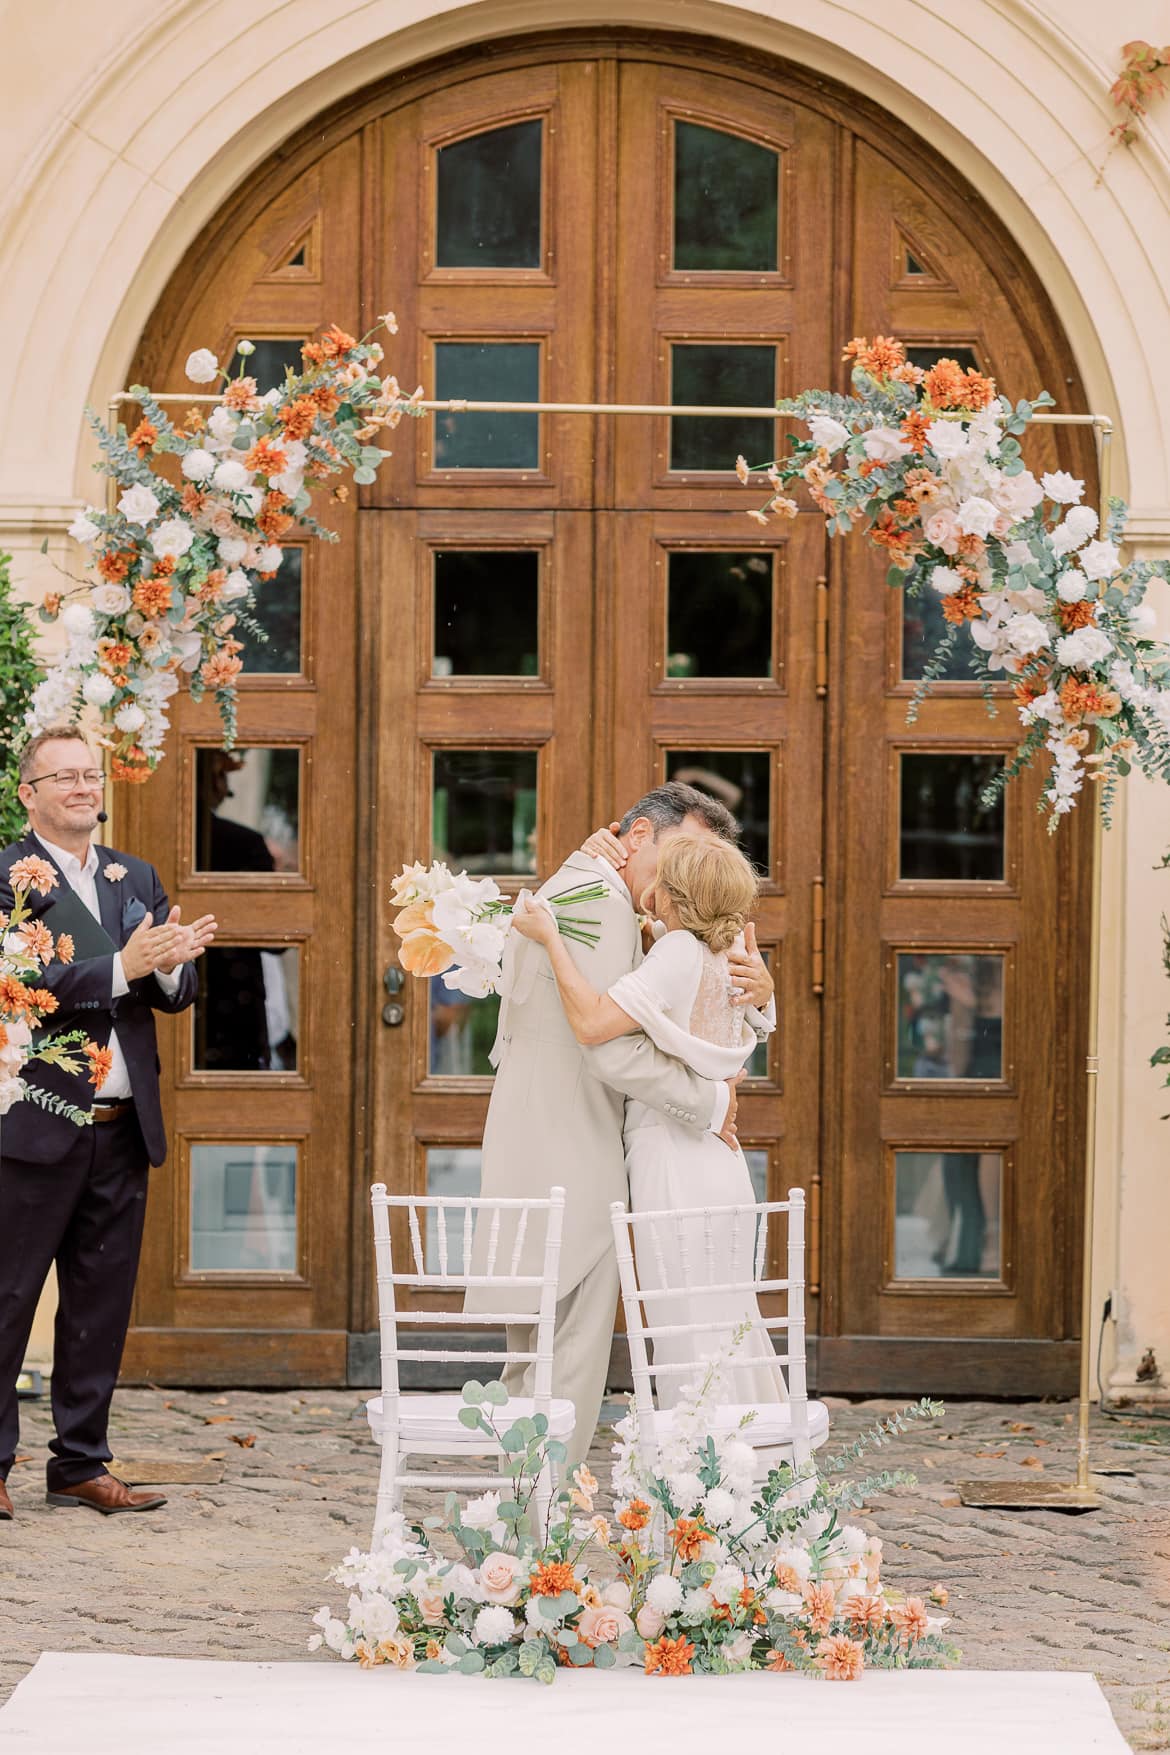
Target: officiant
76,1195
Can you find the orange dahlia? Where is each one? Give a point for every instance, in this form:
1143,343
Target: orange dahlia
551,1577
669,1657
840,1659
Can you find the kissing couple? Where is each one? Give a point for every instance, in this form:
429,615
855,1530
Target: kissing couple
616,1075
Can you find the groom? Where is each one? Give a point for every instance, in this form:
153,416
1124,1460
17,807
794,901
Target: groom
557,1108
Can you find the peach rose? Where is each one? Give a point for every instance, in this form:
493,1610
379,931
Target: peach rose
430,1604
500,1577
602,1626
649,1622
941,529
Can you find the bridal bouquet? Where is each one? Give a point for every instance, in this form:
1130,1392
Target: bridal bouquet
27,948
456,926
930,463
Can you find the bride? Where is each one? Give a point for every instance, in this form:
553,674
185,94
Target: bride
682,996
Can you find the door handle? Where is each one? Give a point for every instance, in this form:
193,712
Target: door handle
393,1014
394,979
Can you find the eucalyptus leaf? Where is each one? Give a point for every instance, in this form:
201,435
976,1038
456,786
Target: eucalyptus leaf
604,1658
471,1663
495,1393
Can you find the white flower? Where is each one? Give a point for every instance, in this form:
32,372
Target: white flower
794,1557
1071,586
130,717
534,1616
1143,621
1100,560
231,476
976,516
1018,495
739,1461
884,445
202,366
1026,634
945,580
1045,706
289,481
222,424
1062,487
726,1584
481,1513
495,1625
697,1602
719,1507
1080,522
97,689
784,1602
198,464
476,980
686,1490
83,528
664,1594
1018,554
236,585
110,599
826,432
232,549
739,1649
173,537
138,505
269,558
246,348
617,1595
1083,648
947,439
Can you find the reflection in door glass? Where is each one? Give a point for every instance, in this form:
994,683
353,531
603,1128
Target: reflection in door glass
489,199
757,1163
950,1015
923,626
462,1031
245,1018
946,830
272,359
726,201
721,377
740,779
452,1171
486,612
247,810
719,613
243,1208
488,371
280,608
484,810
947,1208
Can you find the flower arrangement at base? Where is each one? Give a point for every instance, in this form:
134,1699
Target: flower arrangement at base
930,464
27,948
456,926
197,527
700,1570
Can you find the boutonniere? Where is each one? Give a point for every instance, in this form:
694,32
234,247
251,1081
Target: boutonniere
114,872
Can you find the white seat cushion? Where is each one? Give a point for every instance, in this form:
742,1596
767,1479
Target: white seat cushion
434,1419
771,1428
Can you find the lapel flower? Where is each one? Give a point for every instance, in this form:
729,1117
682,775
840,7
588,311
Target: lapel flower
114,872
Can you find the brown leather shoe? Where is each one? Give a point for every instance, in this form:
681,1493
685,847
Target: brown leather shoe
6,1510
106,1494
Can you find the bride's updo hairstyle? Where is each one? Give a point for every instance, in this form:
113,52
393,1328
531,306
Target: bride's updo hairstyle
711,886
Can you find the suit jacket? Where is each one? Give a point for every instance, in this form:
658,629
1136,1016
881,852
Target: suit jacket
557,1108
84,994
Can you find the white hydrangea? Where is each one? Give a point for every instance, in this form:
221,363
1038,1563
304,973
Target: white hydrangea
495,1625
945,581
198,464
718,1507
726,1584
138,505
697,1602
1062,487
1071,586
231,476
1083,648
686,1490
130,717
97,689
202,366
1143,621
664,1593
77,618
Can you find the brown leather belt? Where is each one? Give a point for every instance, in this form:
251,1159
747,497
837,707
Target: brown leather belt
111,1111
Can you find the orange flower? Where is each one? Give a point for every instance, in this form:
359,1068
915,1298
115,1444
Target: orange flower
962,606
332,345
211,587
64,948
143,436
130,770
273,519
100,1061
15,998
52,603
820,1601
114,655
113,566
880,359
551,1577
777,1662
669,1657
864,1612
1076,615
297,417
44,1001
911,1619
153,596
914,432
947,385
634,1516
840,1659
1088,700
689,1536
242,393
192,500
37,940
325,399
194,420
220,671
265,458
32,873
788,1579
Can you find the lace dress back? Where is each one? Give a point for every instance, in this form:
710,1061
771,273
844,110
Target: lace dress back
713,1017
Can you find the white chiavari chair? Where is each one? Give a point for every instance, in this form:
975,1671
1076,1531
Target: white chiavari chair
440,1259
703,1259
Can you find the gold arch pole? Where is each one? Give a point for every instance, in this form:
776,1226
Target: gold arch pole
1077,1495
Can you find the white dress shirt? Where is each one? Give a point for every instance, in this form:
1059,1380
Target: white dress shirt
83,879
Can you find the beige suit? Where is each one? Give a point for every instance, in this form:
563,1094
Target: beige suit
556,1116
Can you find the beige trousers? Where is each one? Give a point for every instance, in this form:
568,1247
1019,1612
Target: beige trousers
581,1347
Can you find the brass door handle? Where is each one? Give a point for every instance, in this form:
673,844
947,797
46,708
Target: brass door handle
393,1014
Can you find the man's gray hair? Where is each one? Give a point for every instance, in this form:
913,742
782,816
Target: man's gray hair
667,805
30,753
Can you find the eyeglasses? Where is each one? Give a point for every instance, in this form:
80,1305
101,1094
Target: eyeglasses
67,778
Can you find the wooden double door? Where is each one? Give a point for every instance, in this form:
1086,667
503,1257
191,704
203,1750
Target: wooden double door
528,621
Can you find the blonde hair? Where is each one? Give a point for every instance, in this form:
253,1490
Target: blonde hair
711,886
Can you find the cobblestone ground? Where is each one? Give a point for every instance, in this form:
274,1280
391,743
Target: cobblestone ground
236,1569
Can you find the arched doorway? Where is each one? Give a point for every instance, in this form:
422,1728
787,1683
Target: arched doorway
529,619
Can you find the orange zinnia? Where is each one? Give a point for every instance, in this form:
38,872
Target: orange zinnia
863,1612
297,417
100,1061
273,519
113,566
64,948
635,1516
265,458
44,1001
947,385
962,606
689,1535
914,432
880,358
220,671
153,596
669,1657
37,940
15,998
551,1577
242,393
840,1659
911,1619
820,1601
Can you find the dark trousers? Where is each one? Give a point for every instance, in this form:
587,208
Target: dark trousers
86,1213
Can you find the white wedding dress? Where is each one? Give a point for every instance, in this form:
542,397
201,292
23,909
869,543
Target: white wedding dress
681,997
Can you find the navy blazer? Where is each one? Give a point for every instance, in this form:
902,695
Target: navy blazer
84,994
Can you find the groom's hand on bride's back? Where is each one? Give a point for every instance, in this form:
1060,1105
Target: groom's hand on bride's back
727,1133
750,980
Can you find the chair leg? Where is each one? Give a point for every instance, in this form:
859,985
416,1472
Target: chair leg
389,1494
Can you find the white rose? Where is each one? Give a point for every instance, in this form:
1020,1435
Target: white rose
617,1596
198,465
110,599
648,1621
173,537
236,585
826,432
232,550
1018,495
231,476
1062,487
947,439
83,528
945,581
1084,648
202,366
976,516
1100,560
1026,634
481,1513
295,454
494,1625
222,424
11,1091
97,689
138,505
269,558
130,717
289,481
1071,586
664,1594
884,445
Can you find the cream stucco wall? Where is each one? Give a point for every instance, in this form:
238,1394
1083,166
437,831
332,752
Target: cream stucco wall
129,123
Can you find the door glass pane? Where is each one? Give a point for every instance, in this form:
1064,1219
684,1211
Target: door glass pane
245,1018
719,614
925,357
462,1031
247,810
923,626
946,831
757,1163
489,199
243,1208
451,1171
484,813
726,201
950,1015
279,601
721,376
757,1064
271,360
488,371
740,779
947,1208
486,612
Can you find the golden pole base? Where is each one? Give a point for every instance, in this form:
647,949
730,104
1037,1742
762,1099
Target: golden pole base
1028,1496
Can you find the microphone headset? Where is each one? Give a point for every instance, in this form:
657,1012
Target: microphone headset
102,817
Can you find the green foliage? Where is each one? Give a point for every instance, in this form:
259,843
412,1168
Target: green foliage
19,675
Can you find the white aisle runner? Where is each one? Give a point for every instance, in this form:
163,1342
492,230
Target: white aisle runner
178,1706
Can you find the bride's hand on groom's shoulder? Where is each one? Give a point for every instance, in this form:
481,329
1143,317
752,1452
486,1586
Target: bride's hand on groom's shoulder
604,844
533,921
749,973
